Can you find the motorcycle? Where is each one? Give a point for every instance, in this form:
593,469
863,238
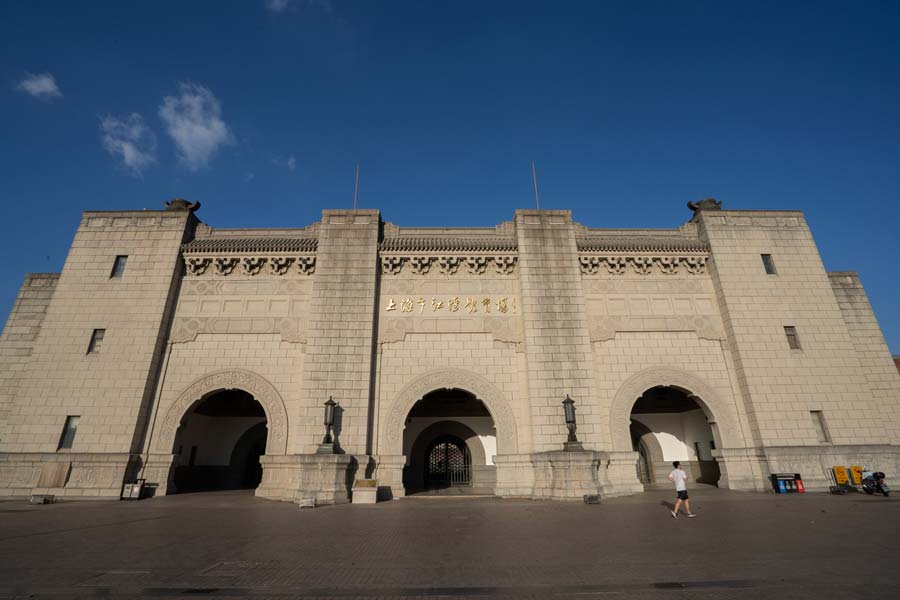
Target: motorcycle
874,482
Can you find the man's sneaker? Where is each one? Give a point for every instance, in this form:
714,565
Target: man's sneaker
674,514
691,515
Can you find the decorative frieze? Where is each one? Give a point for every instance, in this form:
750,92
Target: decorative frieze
642,265
256,256
449,265
420,255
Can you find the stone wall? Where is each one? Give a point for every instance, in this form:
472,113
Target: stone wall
19,336
111,388
780,385
871,349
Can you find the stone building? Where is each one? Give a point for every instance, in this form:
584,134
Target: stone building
195,357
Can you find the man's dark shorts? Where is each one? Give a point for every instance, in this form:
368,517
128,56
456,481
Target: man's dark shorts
682,495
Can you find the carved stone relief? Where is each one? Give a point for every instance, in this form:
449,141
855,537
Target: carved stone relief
502,329
642,265
448,265
186,329
251,265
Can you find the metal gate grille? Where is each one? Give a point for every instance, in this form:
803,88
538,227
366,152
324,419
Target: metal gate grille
448,464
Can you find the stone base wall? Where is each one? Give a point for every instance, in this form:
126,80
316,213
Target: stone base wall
327,478
64,474
814,463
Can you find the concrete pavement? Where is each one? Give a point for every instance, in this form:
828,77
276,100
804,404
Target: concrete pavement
230,544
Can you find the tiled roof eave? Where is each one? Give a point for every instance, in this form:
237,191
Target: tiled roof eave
444,245
250,245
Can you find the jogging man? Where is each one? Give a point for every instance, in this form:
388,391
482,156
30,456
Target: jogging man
679,477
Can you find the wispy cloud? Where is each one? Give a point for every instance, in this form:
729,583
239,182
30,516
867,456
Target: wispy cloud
280,6
42,86
193,120
129,140
289,162
277,6
249,176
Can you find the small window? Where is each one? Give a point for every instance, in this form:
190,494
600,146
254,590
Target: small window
769,264
712,444
821,428
118,267
193,457
792,338
96,341
68,434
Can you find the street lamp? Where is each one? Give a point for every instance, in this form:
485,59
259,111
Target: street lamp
572,444
327,445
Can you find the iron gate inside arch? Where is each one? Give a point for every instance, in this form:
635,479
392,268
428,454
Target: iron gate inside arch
448,464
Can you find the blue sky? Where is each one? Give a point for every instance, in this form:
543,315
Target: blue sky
261,110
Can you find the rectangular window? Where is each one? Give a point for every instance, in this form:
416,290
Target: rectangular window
769,264
193,456
68,434
792,338
821,428
96,341
118,267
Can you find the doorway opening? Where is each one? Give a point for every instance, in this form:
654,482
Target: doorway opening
449,442
219,443
669,424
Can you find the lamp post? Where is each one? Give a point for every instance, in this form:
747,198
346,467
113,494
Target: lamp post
572,444
327,445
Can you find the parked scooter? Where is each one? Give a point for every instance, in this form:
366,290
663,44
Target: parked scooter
874,482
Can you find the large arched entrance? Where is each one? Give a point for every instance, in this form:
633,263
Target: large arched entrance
668,424
449,442
219,443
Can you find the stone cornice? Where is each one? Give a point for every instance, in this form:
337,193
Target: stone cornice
441,245
623,244
254,245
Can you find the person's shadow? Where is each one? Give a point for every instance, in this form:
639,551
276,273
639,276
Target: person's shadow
669,505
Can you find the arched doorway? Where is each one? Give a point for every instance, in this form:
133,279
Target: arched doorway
449,442
219,443
668,424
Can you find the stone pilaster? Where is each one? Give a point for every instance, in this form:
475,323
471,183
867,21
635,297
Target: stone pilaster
557,341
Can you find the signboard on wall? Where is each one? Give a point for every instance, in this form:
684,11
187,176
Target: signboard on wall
841,476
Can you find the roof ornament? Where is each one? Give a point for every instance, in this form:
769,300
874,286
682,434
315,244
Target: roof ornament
705,204
182,204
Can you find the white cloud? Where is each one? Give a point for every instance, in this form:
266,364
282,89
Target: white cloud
249,176
193,120
280,6
129,140
42,86
277,6
289,163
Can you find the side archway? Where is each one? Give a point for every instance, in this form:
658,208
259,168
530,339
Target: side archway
256,385
391,438
721,416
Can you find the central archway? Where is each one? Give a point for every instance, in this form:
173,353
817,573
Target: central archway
494,400
449,442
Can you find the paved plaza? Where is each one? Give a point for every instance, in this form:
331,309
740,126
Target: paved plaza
231,544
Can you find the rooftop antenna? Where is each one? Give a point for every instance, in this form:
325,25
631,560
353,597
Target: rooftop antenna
356,190
537,202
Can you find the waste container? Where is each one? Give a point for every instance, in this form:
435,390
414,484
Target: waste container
785,483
